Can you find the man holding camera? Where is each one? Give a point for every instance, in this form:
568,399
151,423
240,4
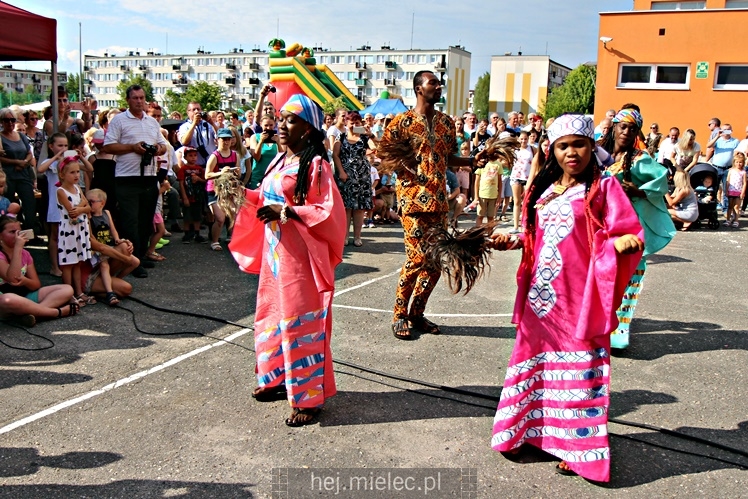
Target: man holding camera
135,138
263,147
265,107
198,132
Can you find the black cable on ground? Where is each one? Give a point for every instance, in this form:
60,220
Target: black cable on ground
450,389
51,343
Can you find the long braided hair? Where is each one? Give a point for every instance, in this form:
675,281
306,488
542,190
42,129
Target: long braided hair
549,174
230,191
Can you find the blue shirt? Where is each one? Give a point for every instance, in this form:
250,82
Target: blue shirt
723,151
452,181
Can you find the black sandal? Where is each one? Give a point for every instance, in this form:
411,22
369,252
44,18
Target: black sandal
112,299
401,330
270,394
424,325
309,417
74,308
565,470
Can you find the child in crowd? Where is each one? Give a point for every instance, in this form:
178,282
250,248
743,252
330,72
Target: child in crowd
736,186
376,204
24,298
192,187
73,244
223,157
706,191
103,230
78,144
505,196
488,186
387,183
456,200
158,226
6,207
519,175
57,144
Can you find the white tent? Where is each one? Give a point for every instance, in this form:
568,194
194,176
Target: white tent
37,106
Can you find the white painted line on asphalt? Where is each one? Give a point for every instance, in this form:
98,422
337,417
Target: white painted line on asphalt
366,309
117,384
366,283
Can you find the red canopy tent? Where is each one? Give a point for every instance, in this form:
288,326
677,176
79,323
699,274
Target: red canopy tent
42,31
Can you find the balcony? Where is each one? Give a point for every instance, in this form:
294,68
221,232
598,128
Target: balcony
390,65
230,80
253,66
230,66
389,82
440,67
143,68
254,81
180,81
87,82
86,68
176,67
124,68
360,82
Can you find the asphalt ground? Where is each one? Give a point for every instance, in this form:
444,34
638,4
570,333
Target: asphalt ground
112,412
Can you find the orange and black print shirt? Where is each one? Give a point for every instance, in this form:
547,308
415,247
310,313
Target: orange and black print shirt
426,191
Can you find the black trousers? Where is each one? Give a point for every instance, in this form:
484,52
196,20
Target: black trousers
136,200
24,188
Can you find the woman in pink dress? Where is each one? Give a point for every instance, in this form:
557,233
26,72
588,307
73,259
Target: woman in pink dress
581,243
291,231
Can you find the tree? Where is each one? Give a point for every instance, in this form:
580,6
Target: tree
576,95
209,95
72,87
333,105
134,80
480,96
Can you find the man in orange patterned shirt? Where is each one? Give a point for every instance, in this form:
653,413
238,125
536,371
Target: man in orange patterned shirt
422,197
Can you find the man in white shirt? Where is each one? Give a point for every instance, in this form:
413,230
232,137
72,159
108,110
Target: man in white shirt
493,120
609,115
743,145
471,123
667,147
134,137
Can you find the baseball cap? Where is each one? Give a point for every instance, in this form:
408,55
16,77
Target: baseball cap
379,116
504,135
98,137
187,149
224,133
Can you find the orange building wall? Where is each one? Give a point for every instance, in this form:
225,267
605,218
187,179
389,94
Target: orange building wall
690,37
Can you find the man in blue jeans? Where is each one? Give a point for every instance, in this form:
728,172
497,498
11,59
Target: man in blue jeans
724,145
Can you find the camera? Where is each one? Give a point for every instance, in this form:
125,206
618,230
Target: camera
204,116
272,89
269,132
147,158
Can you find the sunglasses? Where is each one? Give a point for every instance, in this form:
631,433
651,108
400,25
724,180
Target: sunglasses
63,100
653,128
34,119
8,120
92,201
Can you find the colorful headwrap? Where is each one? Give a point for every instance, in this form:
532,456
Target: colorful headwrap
306,109
629,116
571,124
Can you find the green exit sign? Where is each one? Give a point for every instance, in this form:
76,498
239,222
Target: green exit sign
702,70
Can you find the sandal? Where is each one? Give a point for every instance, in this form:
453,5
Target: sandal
401,330
83,299
155,257
358,243
112,299
301,417
735,224
216,246
270,394
562,468
424,325
73,310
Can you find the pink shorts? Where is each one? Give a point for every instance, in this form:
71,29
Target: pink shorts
157,219
463,176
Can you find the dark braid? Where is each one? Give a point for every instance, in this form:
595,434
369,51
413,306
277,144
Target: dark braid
608,142
315,147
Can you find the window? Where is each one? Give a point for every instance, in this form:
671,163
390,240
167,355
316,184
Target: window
351,75
687,5
410,59
369,59
408,92
380,59
732,77
337,59
323,59
422,59
351,59
736,4
655,76
379,75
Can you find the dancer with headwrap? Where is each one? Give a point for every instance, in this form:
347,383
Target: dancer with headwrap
580,245
291,231
645,183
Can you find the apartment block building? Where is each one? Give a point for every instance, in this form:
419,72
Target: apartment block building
365,72
16,80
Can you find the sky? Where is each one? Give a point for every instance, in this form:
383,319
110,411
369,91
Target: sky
565,30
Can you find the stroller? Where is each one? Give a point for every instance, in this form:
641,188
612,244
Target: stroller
708,209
